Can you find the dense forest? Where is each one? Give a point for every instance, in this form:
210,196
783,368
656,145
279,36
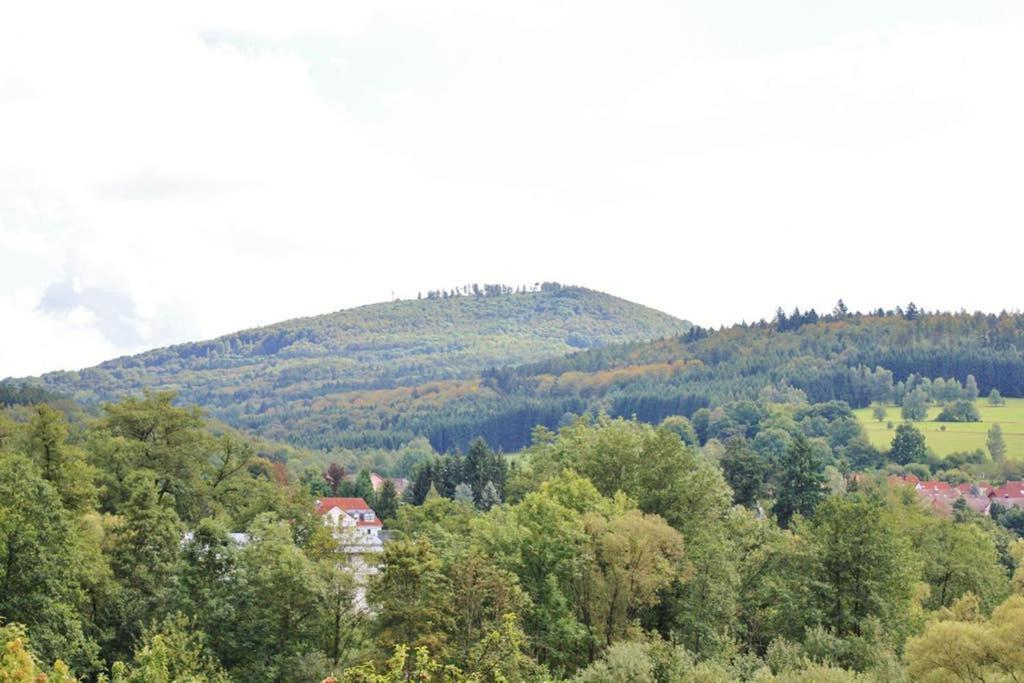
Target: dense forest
854,358
497,369
337,366
141,545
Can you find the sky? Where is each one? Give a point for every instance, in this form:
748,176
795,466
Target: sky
177,171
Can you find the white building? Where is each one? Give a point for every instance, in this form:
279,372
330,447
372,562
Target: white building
358,532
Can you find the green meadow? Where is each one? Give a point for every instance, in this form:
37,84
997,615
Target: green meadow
957,436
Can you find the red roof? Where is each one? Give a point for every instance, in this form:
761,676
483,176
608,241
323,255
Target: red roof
935,486
346,504
350,506
1011,489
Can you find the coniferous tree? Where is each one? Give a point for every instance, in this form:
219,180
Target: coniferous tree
800,483
489,497
387,500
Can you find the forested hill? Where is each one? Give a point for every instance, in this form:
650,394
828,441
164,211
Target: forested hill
848,357
267,376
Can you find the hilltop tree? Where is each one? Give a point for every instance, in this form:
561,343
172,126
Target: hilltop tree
800,482
908,445
878,412
996,443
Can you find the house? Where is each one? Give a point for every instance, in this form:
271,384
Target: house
980,504
357,529
377,481
936,487
353,519
1011,489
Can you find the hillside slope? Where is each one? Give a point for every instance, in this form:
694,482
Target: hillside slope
856,358
266,378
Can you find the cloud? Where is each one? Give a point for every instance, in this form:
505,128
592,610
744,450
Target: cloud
112,313
154,186
200,167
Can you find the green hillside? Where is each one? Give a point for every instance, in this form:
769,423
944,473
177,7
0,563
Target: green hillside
266,378
855,358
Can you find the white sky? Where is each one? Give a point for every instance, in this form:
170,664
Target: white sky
175,171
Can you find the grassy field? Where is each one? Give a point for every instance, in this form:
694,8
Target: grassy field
958,436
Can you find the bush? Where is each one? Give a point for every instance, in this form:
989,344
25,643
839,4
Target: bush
959,411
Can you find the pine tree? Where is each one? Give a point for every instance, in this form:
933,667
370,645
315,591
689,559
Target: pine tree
801,482
489,497
364,487
387,500
464,493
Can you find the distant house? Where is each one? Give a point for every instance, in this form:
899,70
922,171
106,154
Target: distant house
348,514
377,481
939,487
358,531
979,496
1011,489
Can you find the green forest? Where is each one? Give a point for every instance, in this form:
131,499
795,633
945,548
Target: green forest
610,550
668,504
456,368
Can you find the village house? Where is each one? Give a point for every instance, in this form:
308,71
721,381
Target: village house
377,481
942,496
357,529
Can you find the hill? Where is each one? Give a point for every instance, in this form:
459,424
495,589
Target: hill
856,358
270,379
